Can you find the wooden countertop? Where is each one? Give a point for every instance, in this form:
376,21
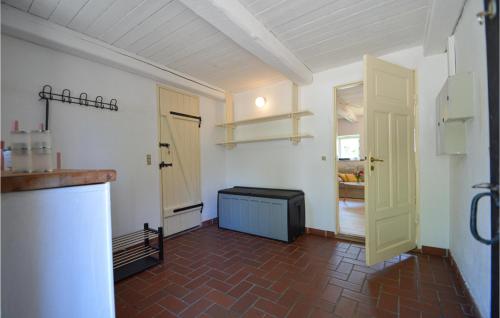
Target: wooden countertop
13,182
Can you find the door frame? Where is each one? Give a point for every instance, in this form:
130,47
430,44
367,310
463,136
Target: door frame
335,167
491,39
336,88
158,135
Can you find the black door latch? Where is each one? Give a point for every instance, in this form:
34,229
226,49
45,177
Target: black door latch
165,165
166,145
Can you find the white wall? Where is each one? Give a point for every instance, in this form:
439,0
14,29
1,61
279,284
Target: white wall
281,164
472,257
90,138
434,202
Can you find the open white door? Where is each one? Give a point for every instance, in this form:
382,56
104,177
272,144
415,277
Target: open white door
389,96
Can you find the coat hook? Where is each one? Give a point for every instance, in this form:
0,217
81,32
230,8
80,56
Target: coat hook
112,104
83,99
66,96
47,89
98,102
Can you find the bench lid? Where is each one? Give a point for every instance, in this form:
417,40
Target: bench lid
285,194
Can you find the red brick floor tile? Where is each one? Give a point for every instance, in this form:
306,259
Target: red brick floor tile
254,313
217,311
173,304
244,303
331,293
240,289
217,273
289,298
177,290
409,313
220,298
345,307
318,313
219,285
271,308
259,281
196,294
265,293
151,311
300,310
388,302
164,314
196,309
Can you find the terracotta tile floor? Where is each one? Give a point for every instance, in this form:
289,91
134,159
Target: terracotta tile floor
217,273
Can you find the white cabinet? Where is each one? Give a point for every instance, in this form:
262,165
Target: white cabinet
56,253
454,105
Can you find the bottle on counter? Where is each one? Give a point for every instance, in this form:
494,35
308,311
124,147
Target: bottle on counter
41,150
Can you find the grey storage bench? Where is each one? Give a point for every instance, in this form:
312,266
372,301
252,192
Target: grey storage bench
273,213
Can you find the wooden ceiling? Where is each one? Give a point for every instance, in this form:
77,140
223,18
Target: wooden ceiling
321,33
326,33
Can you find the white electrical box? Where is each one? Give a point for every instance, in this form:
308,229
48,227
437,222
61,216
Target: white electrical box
454,105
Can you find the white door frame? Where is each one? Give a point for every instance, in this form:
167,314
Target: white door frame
335,167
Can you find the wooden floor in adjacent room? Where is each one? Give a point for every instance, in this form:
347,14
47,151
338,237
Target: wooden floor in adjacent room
216,273
352,217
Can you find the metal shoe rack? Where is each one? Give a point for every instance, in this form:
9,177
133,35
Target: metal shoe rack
137,251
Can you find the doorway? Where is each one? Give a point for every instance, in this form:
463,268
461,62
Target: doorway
350,157
383,154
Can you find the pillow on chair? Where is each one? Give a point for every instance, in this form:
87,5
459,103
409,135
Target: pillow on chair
350,177
342,177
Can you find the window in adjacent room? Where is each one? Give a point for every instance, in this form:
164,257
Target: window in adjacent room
348,147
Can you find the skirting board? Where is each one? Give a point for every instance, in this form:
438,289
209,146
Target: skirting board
210,222
322,233
436,251
468,295
429,250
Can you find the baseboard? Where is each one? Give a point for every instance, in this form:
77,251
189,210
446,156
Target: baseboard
210,222
350,238
322,233
436,251
461,280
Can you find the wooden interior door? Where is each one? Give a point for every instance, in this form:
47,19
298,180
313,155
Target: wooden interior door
389,96
180,160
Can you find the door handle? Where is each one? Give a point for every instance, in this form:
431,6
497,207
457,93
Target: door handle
165,165
373,159
473,218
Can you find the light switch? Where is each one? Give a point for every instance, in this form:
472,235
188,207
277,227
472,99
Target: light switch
323,158
148,160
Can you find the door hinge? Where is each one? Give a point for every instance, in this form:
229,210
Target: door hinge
165,165
164,144
188,116
189,207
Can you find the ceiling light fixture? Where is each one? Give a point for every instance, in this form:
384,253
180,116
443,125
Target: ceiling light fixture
260,102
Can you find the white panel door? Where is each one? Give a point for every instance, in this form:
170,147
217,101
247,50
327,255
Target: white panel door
180,176
389,95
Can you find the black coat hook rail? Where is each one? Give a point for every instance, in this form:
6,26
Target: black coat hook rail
65,97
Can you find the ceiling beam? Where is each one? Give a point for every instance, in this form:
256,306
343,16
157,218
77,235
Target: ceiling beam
235,21
441,21
33,29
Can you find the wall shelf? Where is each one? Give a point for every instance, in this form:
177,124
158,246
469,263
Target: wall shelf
257,120
295,138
